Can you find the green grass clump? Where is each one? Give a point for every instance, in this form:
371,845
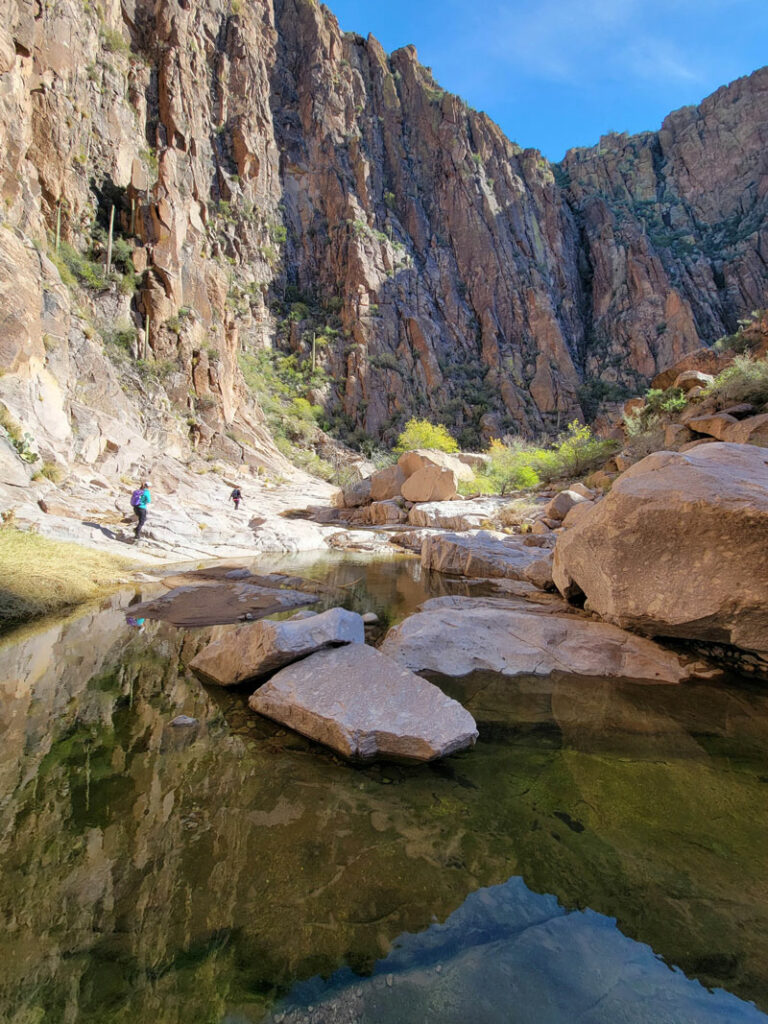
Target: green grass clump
423,434
745,380
39,576
658,404
76,268
21,441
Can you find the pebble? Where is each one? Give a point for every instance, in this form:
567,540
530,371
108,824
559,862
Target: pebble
370,618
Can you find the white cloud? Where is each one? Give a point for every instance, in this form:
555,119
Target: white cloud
581,41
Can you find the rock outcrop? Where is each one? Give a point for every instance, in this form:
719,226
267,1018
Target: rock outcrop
678,547
274,181
365,706
254,650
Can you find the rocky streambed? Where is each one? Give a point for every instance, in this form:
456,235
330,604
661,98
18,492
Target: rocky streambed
174,855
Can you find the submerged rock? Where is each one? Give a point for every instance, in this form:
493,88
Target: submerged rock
678,547
471,635
218,604
364,705
254,650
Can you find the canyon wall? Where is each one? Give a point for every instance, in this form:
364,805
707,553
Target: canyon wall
279,183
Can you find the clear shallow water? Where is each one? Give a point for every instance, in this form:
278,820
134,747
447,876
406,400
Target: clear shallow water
159,874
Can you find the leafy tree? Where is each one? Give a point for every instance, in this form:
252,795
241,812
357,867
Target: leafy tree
423,434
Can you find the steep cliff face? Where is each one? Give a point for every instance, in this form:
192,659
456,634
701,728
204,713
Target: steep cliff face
275,181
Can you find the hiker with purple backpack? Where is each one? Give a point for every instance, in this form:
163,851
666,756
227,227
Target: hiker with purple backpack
139,501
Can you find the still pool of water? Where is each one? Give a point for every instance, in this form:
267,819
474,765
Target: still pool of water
598,857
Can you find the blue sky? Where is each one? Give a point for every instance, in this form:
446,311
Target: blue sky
560,73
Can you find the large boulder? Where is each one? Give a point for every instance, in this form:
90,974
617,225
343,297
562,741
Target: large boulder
432,483
356,495
364,706
386,483
385,513
482,555
706,360
456,515
455,636
421,458
716,425
261,647
750,431
562,503
678,547
690,379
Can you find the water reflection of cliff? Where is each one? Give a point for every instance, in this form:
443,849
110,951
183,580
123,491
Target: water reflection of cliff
154,873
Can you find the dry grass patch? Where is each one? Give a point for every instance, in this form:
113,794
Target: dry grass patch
39,576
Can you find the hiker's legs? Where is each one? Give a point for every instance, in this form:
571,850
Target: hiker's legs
237,503
141,515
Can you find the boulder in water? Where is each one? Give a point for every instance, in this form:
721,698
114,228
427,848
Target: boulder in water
365,706
254,650
678,547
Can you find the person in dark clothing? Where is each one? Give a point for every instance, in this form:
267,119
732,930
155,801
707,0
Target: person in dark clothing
140,507
237,497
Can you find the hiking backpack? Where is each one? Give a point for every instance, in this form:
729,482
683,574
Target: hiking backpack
136,497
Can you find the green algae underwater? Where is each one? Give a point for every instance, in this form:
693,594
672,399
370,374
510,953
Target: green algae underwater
156,873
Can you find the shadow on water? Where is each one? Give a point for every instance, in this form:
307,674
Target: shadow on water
170,874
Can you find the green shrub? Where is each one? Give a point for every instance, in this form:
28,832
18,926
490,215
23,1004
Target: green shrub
20,440
75,267
113,41
423,434
658,404
523,466
122,336
576,452
745,380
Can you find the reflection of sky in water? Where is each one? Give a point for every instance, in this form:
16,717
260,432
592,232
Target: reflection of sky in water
511,956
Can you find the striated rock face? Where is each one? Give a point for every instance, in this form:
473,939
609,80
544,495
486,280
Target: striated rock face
272,176
678,547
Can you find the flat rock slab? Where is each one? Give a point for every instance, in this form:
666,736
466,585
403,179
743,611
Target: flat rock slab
365,706
480,555
261,647
485,637
220,604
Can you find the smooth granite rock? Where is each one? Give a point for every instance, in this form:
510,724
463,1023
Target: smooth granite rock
254,650
365,706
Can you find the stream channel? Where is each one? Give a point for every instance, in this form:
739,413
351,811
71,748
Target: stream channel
599,856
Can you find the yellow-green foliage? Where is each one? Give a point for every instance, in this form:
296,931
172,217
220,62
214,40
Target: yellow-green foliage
39,576
745,380
523,466
423,434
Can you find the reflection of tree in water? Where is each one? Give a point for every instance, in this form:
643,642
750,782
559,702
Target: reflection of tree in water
166,874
